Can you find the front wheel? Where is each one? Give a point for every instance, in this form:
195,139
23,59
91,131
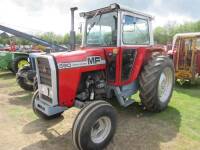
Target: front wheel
94,126
156,83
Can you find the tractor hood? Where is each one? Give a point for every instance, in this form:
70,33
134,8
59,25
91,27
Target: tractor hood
80,58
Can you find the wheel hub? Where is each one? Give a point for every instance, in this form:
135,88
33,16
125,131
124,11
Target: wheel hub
165,84
100,129
22,63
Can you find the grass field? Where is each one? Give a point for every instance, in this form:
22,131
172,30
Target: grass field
176,128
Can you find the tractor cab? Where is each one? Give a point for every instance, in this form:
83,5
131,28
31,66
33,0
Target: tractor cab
121,32
186,50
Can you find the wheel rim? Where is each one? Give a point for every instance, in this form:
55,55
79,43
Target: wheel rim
165,84
100,129
22,63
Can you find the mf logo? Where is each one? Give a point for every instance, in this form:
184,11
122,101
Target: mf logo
94,60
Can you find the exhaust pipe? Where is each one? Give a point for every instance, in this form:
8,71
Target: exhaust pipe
72,32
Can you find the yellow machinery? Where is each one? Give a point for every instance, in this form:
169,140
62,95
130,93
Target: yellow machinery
186,55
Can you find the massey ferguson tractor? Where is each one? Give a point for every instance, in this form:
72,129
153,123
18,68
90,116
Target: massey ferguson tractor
117,59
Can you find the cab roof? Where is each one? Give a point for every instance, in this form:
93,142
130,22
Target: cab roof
112,7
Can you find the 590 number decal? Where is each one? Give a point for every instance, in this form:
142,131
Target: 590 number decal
90,61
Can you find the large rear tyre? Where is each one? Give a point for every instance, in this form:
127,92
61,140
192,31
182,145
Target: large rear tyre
23,80
40,114
19,62
94,126
156,83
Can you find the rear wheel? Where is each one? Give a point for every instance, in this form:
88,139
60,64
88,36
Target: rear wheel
156,83
40,114
19,62
94,126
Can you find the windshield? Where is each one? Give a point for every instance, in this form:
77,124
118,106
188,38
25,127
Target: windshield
101,30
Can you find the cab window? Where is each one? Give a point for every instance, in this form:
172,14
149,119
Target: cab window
135,31
102,30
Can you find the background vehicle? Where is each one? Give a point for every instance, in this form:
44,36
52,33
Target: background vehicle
15,61
26,76
186,56
116,60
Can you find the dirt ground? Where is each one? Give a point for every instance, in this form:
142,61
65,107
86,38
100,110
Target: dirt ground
137,129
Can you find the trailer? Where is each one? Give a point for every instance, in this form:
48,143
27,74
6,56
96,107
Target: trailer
186,56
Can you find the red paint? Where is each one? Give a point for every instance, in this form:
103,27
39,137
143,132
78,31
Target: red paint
69,79
136,66
197,55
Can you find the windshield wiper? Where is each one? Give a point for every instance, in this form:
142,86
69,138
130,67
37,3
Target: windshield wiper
95,22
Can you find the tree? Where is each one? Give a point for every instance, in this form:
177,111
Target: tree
52,38
163,35
66,39
48,36
160,35
78,39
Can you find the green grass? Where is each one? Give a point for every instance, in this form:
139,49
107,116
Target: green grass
19,104
187,101
183,112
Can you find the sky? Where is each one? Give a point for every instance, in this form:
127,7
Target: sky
39,16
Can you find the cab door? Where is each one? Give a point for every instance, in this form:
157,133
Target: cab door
128,56
135,38
113,68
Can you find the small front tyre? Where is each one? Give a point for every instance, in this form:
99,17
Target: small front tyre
94,126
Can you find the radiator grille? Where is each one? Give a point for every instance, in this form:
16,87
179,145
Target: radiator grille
46,98
44,71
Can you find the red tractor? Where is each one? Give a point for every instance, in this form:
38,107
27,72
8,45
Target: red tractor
116,60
